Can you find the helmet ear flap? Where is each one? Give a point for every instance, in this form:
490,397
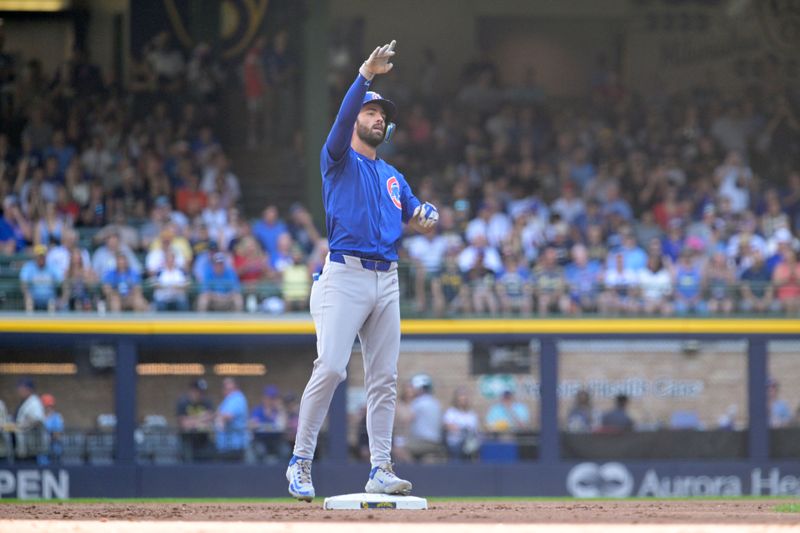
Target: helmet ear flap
389,131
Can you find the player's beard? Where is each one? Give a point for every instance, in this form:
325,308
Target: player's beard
370,136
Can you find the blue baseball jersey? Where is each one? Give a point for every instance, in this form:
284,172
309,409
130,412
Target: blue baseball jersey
366,201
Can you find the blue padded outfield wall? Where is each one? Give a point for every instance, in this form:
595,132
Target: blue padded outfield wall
658,479
549,475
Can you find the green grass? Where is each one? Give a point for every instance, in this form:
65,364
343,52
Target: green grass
788,508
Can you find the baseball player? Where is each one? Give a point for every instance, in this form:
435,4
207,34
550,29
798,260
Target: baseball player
366,202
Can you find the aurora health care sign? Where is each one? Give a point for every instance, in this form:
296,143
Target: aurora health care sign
617,480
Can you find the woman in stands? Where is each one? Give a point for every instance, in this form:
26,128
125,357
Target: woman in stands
80,284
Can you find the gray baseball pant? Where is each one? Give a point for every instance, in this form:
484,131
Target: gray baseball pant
349,300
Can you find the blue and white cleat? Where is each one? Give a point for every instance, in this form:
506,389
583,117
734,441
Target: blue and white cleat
299,477
383,480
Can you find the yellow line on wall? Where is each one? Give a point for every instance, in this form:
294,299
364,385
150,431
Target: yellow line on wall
161,325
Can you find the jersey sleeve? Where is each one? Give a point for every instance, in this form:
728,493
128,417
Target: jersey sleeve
338,141
408,200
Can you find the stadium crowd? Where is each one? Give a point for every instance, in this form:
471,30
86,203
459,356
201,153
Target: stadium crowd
125,198
614,203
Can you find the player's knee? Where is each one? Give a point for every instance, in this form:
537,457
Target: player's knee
330,373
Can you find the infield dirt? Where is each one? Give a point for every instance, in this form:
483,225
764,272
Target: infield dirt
505,511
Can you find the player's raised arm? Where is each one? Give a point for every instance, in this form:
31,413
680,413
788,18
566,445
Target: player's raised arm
377,63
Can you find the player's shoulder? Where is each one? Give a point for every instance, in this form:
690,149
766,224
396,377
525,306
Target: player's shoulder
329,165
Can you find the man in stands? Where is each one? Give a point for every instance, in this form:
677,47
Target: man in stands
39,282
220,289
196,421
231,423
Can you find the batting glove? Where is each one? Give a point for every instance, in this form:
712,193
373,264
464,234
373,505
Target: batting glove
378,61
427,215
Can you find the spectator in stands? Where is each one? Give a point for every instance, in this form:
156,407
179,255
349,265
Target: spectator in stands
508,415
461,427
105,260
620,288
302,229
160,215
481,282
195,414
549,284
774,216
15,230
189,198
54,426
720,283
171,285
296,283
63,152
58,257
122,287
49,227
217,177
203,75
282,258
268,229
39,282
617,419
673,242
655,285
168,242
491,223
779,413
582,277
220,289
734,178
569,206
215,216
30,437
786,279
633,256
268,423
97,160
38,130
403,415
704,229
426,252
231,423
688,284
425,433
582,418
757,292
80,282
127,233
449,290
514,288
166,61
251,264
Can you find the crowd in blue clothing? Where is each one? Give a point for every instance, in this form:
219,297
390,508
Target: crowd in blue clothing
91,172
617,203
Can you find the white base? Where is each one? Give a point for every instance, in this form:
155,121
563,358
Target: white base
374,501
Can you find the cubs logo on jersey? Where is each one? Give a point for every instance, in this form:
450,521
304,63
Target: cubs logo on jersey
393,186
